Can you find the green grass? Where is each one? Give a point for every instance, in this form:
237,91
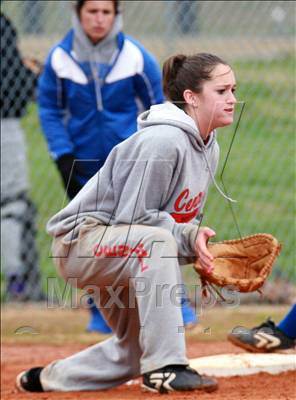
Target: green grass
260,172
36,324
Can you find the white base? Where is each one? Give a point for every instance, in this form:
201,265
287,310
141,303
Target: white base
244,364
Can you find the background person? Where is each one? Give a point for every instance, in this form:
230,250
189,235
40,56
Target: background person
18,246
33,12
136,233
187,15
267,337
95,83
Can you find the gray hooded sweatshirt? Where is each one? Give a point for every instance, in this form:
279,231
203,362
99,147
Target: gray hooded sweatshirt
104,52
157,177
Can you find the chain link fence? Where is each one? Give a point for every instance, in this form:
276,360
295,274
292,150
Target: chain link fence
258,39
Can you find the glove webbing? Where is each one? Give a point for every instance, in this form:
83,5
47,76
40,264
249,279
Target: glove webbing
205,284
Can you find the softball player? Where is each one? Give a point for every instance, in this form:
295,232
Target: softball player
18,213
126,232
268,337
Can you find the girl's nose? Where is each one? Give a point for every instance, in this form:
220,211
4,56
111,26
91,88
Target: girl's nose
232,99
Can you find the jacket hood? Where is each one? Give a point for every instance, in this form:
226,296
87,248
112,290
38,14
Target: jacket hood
169,114
103,51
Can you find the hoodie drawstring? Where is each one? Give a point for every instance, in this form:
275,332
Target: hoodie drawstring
214,180
93,67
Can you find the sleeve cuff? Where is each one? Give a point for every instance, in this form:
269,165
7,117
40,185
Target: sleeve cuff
190,232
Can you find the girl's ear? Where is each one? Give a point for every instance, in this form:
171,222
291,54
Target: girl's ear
190,97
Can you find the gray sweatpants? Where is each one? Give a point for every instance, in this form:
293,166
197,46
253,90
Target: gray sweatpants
14,181
138,279
18,241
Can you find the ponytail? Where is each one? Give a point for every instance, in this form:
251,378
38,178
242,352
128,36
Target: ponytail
182,72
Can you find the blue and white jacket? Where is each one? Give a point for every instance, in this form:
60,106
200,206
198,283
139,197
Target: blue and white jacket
89,95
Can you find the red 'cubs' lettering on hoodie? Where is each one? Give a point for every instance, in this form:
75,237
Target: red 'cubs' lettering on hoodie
187,207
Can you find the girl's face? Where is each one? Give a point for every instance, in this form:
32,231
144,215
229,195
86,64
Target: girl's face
216,102
97,18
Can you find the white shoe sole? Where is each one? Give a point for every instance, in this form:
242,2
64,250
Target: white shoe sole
18,382
148,389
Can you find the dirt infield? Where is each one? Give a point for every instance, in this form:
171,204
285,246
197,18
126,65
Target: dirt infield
16,357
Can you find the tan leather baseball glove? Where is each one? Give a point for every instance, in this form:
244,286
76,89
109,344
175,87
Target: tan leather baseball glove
244,263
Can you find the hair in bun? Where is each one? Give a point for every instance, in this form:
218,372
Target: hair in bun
182,72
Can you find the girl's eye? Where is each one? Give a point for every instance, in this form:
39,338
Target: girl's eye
233,90
221,91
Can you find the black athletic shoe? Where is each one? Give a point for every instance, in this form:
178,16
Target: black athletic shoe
177,378
29,381
265,338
